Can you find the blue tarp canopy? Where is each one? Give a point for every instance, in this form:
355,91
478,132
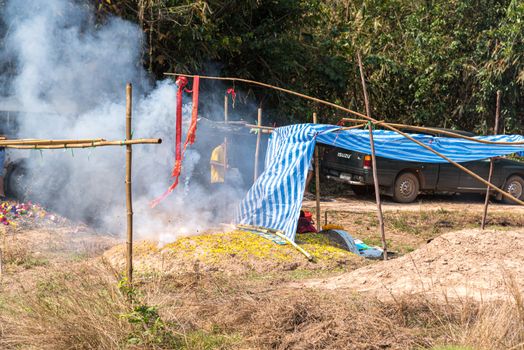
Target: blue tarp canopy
275,199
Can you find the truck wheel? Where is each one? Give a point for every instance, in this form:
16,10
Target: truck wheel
406,188
515,186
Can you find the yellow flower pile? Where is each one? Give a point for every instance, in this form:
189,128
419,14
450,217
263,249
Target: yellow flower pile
246,246
239,251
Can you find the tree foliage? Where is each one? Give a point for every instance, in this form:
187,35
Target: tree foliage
427,62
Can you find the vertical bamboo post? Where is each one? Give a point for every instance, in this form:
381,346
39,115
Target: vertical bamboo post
226,109
224,161
317,180
129,199
373,161
257,147
226,120
497,113
495,132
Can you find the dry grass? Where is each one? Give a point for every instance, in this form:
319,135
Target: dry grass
498,325
84,307
76,309
16,254
278,318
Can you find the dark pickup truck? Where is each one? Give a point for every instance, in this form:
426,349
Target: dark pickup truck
405,180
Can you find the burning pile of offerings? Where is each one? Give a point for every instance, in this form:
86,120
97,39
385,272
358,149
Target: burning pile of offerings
14,213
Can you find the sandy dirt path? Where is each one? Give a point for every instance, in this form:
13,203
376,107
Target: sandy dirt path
470,202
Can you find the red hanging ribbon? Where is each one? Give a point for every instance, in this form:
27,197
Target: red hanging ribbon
181,82
191,134
231,91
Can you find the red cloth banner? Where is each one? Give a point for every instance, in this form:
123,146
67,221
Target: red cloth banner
231,91
191,134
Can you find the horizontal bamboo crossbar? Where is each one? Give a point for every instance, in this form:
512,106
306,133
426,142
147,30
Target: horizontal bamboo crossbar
262,128
437,131
327,103
46,142
82,145
279,234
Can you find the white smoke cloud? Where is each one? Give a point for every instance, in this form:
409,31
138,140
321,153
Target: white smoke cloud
70,75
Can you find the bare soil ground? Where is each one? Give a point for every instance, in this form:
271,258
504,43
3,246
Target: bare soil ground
469,202
457,265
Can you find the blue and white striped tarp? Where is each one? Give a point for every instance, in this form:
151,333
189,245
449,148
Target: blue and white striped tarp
275,199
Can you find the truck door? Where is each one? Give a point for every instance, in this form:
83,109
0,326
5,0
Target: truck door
481,168
468,182
448,177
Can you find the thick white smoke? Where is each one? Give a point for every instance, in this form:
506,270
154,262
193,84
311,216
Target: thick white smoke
70,79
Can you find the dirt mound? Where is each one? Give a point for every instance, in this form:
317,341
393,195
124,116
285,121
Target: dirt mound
468,263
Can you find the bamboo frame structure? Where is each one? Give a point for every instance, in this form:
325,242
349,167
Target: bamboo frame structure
495,132
374,121
269,129
47,142
129,191
257,147
390,126
42,144
380,215
317,180
433,130
226,121
62,145
226,109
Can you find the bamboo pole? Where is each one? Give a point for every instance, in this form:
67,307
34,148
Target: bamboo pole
260,127
375,121
497,113
279,234
87,145
373,161
226,118
461,167
47,142
224,161
269,129
226,109
491,160
324,102
257,147
436,131
317,180
129,194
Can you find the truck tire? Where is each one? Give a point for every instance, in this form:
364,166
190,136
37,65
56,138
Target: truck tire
15,181
515,186
406,188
